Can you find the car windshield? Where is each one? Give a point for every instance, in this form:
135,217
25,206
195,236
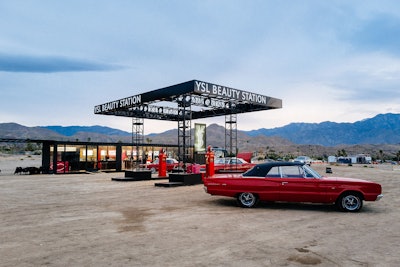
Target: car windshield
310,172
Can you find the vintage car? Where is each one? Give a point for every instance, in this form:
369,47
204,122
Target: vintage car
171,164
292,182
230,164
303,159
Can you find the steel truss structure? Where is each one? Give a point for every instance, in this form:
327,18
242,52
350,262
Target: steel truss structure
184,127
231,134
185,102
137,138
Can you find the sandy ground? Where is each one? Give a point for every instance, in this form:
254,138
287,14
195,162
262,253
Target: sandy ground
89,220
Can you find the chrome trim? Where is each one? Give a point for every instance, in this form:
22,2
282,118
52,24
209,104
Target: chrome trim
379,197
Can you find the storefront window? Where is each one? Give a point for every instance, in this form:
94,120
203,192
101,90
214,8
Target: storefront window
64,157
128,157
84,157
90,154
107,157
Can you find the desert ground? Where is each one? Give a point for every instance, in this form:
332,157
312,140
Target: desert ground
90,220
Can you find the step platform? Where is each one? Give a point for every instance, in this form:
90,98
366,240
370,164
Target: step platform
182,179
169,184
132,176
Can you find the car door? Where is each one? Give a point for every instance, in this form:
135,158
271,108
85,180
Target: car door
269,186
296,187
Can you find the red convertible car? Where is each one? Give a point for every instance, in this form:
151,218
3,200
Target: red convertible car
292,182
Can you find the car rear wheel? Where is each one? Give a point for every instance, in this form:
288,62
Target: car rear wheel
247,200
153,170
350,201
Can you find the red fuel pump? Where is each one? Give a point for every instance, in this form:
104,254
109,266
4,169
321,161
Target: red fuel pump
162,163
209,162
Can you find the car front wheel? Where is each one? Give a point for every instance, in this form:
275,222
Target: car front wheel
351,202
247,200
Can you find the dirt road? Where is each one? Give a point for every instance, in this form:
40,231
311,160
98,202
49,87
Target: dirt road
89,220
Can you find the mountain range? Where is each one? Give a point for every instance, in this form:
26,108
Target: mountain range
381,130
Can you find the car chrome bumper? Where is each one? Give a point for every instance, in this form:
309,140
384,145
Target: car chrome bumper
379,197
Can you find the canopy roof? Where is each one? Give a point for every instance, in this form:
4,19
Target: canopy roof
204,99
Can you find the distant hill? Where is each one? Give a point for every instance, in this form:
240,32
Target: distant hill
14,130
73,130
370,136
381,129
59,133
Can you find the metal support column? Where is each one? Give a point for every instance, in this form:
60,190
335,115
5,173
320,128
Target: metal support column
184,128
231,134
137,139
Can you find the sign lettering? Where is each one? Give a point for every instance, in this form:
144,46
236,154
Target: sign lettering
202,87
229,93
122,103
211,95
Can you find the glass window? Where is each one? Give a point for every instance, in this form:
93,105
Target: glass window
274,172
70,157
310,173
219,161
292,171
91,158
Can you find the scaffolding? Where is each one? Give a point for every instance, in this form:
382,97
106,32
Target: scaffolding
231,134
184,128
137,139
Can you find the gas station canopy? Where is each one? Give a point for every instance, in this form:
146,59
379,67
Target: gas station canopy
202,98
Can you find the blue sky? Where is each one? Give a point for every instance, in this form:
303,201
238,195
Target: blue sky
327,60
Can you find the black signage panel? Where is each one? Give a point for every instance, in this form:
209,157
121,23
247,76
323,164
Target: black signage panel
216,97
